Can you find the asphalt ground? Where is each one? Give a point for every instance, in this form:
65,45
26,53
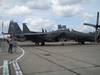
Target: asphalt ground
4,55
55,59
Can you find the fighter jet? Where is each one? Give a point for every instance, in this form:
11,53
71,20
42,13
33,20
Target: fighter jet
64,34
54,36
37,37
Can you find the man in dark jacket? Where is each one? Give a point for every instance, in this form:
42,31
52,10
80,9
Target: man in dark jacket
10,46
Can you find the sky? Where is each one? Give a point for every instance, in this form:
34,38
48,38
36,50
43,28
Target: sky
48,14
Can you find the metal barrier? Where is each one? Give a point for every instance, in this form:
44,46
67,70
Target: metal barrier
17,68
0,42
5,68
4,46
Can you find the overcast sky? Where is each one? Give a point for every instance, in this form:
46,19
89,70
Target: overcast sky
48,14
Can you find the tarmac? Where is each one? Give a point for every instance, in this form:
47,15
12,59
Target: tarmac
57,59
4,55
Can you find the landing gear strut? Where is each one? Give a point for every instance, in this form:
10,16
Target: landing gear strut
42,43
37,43
82,42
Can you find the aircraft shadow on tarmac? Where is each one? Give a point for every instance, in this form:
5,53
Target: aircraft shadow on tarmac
60,44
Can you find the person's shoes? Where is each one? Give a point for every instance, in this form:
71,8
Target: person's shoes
11,52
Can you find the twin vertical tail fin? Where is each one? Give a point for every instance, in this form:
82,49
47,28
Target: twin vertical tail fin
14,28
25,28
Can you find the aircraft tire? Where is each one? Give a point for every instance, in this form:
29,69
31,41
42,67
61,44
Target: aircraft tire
42,43
82,42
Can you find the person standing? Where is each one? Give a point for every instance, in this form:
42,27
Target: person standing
10,46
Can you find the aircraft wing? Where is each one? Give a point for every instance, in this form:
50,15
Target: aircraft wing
92,25
5,33
31,34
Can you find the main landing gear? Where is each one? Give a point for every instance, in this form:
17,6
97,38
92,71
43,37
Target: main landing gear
38,44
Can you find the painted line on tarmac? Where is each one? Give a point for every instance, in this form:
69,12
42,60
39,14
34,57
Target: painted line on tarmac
23,53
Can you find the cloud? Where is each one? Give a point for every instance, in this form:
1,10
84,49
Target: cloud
68,7
57,7
68,10
39,4
61,8
19,10
65,2
34,4
70,2
22,7
37,23
86,16
84,28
